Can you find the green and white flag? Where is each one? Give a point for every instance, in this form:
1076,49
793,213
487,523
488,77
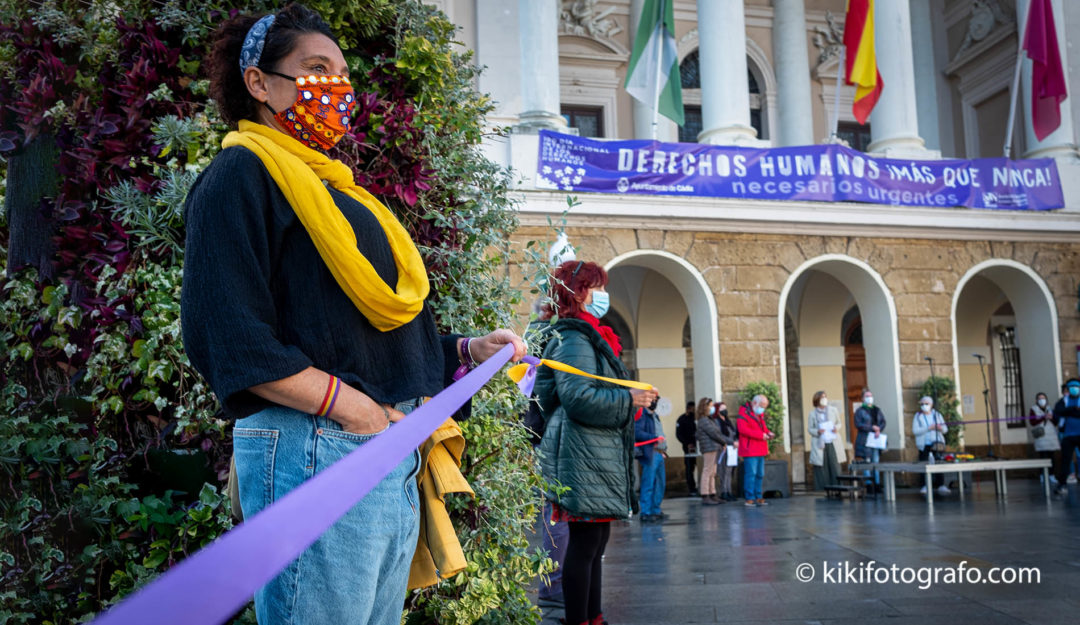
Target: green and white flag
656,57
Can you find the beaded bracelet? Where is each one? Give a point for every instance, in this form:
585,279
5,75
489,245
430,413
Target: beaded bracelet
331,396
467,362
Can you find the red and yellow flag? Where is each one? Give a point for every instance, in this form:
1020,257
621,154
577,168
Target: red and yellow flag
861,59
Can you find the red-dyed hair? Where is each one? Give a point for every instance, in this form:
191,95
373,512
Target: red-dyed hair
569,288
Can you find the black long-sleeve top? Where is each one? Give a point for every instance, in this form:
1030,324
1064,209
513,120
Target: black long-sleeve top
259,304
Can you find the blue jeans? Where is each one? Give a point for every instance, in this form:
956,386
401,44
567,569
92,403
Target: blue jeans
873,455
357,571
653,483
753,476
555,537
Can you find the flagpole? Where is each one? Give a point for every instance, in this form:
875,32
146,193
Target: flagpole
835,123
659,61
1012,101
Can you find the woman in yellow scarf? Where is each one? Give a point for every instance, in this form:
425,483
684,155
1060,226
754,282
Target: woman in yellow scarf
304,308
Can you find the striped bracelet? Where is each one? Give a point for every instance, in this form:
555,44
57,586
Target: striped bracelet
332,390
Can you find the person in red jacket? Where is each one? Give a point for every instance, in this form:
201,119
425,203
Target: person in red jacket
753,434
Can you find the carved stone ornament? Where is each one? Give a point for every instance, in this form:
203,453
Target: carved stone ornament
985,14
584,18
829,41
691,35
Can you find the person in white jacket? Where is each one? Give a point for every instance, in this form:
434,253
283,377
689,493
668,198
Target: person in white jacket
827,441
1044,434
929,428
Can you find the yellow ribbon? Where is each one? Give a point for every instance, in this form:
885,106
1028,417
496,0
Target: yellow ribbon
517,373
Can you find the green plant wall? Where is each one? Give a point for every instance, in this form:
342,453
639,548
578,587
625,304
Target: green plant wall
112,449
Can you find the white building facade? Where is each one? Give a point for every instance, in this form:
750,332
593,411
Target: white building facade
710,294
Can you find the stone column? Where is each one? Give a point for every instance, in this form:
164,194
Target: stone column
1072,55
792,73
1061,143
642,112
538,27
924,65
725,96
498,50
894,123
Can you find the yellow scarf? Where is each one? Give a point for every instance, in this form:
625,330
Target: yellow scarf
299,171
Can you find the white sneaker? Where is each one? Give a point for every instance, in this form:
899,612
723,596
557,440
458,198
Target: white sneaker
922,491
943,490
1072,479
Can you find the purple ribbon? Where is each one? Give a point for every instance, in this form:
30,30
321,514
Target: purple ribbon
214,583
529,379
1008,419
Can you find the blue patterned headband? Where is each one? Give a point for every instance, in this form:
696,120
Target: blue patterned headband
254,42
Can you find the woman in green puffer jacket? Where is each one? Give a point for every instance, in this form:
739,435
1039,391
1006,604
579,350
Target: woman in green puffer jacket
588,442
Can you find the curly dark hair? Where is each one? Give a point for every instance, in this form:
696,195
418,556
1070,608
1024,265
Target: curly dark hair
227,86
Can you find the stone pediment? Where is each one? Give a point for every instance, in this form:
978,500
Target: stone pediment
586,28
585,47
977,52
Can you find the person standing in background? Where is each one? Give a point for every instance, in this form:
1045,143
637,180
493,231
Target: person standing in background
725,470
588,443
826,447
754,435
709,442
1044,434
929,429
1067,413
651,451
686,432
869,421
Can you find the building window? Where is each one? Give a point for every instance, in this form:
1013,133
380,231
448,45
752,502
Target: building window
1012,386
589,120
755,102
690,72
691,127
690,78
856,134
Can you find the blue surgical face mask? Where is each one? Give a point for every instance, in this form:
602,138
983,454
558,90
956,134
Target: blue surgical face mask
758,410
600,303
1074,391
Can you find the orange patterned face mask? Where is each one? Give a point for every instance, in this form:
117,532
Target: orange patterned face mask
323,110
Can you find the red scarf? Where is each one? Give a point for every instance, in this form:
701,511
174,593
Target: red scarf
606,332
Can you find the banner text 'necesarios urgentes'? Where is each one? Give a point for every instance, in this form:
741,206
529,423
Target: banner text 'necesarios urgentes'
819,173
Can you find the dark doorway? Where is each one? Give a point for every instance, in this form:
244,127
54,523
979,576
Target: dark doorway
854,367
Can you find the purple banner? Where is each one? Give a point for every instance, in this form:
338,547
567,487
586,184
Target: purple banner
817,173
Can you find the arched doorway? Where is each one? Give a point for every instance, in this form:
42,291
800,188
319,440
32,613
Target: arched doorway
844,318
1003,311
658,294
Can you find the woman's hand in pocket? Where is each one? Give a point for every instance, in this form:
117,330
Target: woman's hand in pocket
375,419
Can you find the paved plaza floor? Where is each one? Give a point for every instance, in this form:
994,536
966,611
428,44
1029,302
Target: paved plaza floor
731,564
